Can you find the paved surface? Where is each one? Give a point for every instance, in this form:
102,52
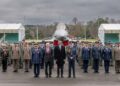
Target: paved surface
26,79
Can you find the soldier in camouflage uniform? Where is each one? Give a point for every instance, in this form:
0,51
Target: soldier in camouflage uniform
117,58
21,50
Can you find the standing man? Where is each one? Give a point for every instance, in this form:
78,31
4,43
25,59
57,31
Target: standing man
85,57
96,56
48,60
80,55
101,47
4,55
21,59
36,60
26,56
10,54
31,50
42,48
71,54
0,54
15,57
112,59
60,56
107,56
117,58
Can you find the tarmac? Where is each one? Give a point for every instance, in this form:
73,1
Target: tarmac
82,79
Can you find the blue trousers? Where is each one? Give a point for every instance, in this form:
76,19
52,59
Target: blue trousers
85,65
106,66
71,67
36,69
96,65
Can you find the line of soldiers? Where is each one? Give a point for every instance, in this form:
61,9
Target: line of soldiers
96,54
43,56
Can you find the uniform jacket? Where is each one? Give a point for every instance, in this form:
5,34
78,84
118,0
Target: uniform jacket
85,53
72,53
79,52
36,56
95,52
117,53
107,54
15,54
4,56
26,53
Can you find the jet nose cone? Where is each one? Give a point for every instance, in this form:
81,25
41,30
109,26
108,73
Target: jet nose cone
61,31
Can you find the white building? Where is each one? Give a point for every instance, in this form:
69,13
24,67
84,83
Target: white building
109,33
12,32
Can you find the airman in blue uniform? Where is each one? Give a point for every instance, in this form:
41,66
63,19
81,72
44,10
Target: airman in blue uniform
96,57
85,57
107,56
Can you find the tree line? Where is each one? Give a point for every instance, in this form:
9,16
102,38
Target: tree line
76,28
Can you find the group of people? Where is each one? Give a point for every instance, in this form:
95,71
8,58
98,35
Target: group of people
46,55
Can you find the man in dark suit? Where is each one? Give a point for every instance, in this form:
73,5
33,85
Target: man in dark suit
60,55
48,60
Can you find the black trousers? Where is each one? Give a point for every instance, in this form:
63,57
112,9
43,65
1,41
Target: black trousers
71,68
85,65
4,65
30,64
42,64
48,69
36,69
60,68
106,66
96,65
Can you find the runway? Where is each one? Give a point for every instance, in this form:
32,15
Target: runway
90,79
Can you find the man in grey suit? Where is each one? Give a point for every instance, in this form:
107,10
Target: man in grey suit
48,59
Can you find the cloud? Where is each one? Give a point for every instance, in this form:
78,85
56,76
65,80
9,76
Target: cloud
50,11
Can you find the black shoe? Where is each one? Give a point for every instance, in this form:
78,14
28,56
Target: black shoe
96,72
26,71
111,65
46,76
117,72
69,76
35,76
85,72
15,71
106,72
49,76
57,76
74,77
4,71
42,67
62,76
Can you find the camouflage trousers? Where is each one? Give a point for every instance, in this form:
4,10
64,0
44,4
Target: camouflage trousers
117,66
26,64
15,64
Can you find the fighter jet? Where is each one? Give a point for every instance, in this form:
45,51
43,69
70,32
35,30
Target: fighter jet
61,32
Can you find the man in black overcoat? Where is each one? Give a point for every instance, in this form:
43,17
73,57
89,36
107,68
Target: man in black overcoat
60,55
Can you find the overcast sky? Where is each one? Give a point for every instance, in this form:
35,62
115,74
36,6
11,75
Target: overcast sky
50,11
